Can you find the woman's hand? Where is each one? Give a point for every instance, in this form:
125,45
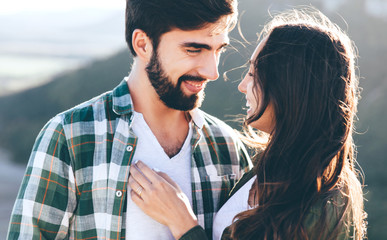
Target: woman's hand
161,198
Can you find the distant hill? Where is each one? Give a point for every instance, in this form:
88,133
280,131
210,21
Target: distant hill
22,115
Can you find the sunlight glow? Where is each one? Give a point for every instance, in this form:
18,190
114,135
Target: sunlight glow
17,6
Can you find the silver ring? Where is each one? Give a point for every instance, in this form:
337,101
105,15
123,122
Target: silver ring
139,190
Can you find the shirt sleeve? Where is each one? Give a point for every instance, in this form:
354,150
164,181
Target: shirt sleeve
198,233
195,233
47,196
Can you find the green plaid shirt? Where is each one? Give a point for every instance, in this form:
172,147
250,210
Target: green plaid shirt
76,180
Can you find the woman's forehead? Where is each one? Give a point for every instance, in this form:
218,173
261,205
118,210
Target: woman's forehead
258,49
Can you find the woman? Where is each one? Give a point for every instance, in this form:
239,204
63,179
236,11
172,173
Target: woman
302,91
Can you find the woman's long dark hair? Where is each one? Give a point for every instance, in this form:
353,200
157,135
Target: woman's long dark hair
306,70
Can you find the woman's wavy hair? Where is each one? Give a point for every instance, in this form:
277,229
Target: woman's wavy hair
306,69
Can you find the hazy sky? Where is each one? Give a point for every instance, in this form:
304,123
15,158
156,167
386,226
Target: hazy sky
17,6
41,38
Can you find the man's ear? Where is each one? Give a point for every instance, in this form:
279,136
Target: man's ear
142,44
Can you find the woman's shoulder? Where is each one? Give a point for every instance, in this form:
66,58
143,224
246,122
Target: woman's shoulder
325,217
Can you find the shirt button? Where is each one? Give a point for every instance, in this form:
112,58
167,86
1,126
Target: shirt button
118,193
129,148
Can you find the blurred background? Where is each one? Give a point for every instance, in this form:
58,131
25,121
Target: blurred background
55,54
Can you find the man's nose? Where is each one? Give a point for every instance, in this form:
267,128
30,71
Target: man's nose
209,67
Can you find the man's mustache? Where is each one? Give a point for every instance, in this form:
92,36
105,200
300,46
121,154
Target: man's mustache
191,78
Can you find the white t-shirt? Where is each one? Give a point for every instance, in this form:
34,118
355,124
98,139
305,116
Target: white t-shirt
148,150
236,204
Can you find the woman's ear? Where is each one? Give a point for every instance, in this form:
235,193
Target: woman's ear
142,45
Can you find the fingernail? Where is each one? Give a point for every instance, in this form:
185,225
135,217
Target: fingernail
156,170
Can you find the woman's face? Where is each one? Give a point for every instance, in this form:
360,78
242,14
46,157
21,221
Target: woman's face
267,121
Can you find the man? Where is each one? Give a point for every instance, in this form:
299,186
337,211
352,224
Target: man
76,181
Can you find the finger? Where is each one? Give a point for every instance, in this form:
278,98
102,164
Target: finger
138,169
141,179
137,199
147,172
168,179
136,187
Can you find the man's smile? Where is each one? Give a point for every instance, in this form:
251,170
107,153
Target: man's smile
194,86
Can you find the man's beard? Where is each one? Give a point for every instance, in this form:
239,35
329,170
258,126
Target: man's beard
172,96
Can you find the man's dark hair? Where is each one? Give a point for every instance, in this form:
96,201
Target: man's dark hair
156,17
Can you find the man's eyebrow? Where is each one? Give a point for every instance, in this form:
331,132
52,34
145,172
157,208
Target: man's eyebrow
196,45
200,45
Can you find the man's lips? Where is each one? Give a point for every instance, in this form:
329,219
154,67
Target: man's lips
194,86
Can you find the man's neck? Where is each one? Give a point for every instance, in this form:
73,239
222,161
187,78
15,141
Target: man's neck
170,126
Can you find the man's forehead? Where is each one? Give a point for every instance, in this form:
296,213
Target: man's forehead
222,27
204,35
225,24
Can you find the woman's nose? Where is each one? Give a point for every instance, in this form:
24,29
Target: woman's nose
242,86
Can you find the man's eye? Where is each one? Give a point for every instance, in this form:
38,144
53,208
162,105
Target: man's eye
193,50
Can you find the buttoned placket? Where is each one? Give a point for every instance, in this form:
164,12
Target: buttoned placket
126,146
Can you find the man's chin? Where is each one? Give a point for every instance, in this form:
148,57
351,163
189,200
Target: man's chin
184,105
